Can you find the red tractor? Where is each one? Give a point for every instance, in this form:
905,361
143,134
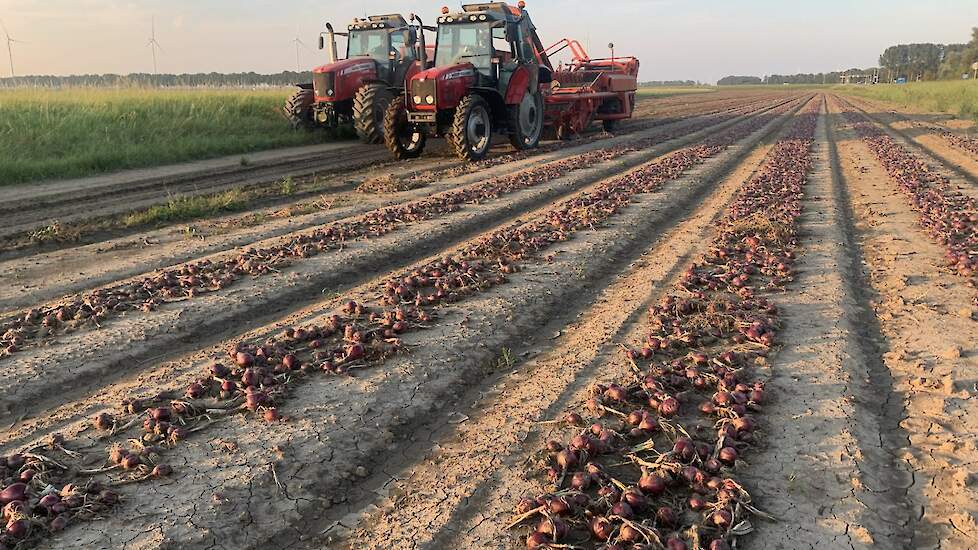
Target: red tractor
491,74
382,52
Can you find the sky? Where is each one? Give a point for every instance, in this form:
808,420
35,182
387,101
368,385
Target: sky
674,39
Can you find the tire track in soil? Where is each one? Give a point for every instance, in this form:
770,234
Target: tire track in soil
925,318
886,477
449,483
79,273
815,476
19,216
142,341
399,394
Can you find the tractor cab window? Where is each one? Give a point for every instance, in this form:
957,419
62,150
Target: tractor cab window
526,48
374,44
401,48
501,46
466,43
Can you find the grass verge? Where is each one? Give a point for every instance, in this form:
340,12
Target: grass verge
76,132
958,97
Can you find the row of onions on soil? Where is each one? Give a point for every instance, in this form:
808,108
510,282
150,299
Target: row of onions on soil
654,465
637,123
947,215
966,143
255,378
192,279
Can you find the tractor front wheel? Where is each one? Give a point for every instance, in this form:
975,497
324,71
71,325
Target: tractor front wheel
369,107
471,131
403,139
526,121
298,109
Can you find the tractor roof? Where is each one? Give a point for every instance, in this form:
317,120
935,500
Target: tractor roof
496,11
390,21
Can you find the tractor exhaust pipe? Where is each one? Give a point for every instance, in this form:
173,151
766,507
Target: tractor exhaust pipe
328,40
423,54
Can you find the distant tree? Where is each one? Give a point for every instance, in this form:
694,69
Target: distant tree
739,80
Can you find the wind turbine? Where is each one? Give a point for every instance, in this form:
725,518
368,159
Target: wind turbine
153,44
298,42
10,50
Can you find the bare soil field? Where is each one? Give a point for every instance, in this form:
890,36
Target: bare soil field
745,320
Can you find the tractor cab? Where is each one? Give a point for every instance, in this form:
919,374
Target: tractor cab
385,39
382,53
488,69
494,39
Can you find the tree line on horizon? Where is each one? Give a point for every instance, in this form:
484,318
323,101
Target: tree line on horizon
923,61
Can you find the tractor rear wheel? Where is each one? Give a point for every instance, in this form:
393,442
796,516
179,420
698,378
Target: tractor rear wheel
298,109
471,131
609,125
369,108
402,138
526,121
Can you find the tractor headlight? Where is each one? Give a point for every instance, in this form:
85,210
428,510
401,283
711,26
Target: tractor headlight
430,100
329,92
417,100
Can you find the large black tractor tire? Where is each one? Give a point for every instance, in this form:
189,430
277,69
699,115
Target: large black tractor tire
369,107
471,133
609,125
298,109
526,121
402,139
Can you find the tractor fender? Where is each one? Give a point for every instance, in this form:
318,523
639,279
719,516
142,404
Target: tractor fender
495,100
380,82
519,84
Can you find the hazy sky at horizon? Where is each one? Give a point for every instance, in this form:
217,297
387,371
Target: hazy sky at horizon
675,39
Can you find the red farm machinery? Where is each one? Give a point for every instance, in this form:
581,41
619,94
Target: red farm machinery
491,74
382,53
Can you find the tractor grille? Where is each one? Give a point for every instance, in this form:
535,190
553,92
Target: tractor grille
424,89
323,82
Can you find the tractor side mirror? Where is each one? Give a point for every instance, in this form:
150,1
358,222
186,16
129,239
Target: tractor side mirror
322,42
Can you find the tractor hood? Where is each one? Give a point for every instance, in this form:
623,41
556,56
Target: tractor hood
450,72
340,81
440,87
348,66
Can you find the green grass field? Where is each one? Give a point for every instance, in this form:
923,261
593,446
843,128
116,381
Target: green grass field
48,134
958,97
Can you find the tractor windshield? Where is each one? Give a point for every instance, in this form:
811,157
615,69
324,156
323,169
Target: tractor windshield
374,44
468,43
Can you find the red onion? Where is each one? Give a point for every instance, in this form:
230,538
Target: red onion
15,491
601,528
566,459
728,455
652,484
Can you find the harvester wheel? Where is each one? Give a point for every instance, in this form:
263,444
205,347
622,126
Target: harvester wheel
403,140
369,107
609,125
471,131
298,109
526,121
